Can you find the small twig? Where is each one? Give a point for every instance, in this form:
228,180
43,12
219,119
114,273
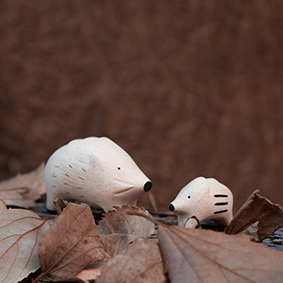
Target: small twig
152,201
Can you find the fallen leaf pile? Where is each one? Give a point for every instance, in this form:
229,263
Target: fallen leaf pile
128,245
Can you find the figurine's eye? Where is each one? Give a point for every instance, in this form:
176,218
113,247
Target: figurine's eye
119,168
189,196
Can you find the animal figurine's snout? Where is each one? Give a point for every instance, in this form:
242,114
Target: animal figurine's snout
147,186
171,207
205,199
94,170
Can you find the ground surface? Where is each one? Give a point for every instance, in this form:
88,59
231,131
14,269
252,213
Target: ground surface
188,88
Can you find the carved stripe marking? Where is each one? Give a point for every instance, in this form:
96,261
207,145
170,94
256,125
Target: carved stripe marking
83,169
220,196
70,166
81,178
220,211
67,175
80,188
221,203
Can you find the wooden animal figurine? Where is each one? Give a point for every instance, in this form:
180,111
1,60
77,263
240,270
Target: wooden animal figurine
96,171
206,199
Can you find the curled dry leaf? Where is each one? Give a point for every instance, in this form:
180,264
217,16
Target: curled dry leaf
71,243
117,229
140,262
15,197
269,217
91,272
3,206
23,189
20,232
60,205
193,255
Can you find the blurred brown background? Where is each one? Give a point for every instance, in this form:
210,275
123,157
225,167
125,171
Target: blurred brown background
188,88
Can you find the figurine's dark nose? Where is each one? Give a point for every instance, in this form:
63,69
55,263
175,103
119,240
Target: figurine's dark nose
147,186
171,207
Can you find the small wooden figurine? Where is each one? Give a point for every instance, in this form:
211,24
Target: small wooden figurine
205,199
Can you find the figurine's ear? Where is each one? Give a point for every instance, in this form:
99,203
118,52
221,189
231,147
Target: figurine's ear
205,190
93,160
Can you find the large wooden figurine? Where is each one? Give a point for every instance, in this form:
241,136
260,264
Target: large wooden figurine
96,171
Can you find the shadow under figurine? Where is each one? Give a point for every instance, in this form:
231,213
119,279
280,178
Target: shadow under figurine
206,199
96,171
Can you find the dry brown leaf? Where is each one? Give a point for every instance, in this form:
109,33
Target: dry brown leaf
20,232
257,209
193,255
117,229
71,243
3,206
140,262
23,189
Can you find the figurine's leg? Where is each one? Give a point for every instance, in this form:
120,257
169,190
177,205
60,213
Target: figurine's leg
191,223
50,201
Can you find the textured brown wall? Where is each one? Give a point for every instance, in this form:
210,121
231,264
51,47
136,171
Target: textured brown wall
188,88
